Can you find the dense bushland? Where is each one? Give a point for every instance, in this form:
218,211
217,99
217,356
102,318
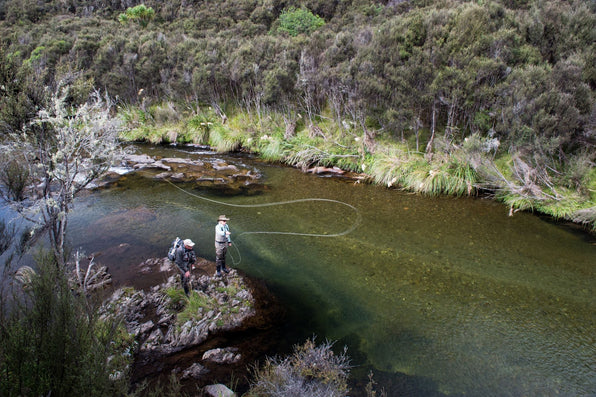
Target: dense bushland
53,342
439,97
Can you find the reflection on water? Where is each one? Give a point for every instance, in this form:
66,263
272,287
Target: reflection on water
452,292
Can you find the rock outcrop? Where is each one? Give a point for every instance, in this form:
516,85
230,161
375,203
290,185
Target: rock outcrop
185,336
164,321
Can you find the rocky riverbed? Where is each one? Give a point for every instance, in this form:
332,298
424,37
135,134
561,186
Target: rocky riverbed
213,174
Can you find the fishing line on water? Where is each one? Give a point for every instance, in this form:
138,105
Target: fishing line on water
354,225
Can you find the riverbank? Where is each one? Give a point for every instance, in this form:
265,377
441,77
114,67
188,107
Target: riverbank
476,166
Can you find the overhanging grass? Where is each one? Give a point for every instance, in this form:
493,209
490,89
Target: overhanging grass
224,139
391,165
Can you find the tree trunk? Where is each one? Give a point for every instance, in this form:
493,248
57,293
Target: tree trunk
429,145
290,128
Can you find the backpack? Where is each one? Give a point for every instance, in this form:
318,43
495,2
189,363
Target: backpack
172,251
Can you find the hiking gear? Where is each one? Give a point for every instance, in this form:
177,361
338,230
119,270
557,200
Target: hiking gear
172,251
223,218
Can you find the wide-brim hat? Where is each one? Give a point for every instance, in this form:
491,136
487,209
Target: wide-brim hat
223,218
188,242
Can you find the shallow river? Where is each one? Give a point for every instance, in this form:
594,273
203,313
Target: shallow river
435,295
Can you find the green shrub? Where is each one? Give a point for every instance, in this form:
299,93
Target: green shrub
295,21
53,342
140,14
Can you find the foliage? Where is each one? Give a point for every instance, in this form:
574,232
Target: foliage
197,304
54,343
7,234
520,73
311,371
295,21
61,153
224,139
140,14
164,388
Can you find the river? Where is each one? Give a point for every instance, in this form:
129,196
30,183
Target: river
434,295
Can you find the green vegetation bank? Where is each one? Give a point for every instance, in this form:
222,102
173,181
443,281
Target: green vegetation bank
440,97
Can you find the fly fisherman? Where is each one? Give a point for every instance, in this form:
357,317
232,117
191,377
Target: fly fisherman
222,242
185,258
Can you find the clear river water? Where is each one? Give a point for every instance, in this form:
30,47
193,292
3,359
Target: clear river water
437,296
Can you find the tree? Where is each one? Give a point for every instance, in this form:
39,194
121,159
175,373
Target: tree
60,153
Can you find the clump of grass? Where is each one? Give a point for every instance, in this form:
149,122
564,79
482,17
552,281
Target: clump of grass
230,290
452,177
165,113
516,201
312,370
586,216
224,139
197,129
271,148
196,301
564,206
133,116
177,298
392,166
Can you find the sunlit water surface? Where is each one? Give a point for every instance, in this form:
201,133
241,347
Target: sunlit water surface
435,295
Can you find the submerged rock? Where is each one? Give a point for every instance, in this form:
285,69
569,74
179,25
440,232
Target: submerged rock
195,371
226,355
204,174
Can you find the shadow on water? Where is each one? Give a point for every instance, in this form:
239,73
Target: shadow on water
437,296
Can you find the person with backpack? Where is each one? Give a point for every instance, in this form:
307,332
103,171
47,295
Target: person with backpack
222,242
184,258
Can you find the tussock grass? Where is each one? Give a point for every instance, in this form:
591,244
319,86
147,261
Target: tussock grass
177,297
311,371
165,113
224,139
195,302
272,148
458,170
395,166
566,204
198,128
516,201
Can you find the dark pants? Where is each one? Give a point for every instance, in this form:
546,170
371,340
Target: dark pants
220,256
185,281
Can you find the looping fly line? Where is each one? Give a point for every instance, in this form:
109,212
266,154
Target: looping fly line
354,225
343,233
